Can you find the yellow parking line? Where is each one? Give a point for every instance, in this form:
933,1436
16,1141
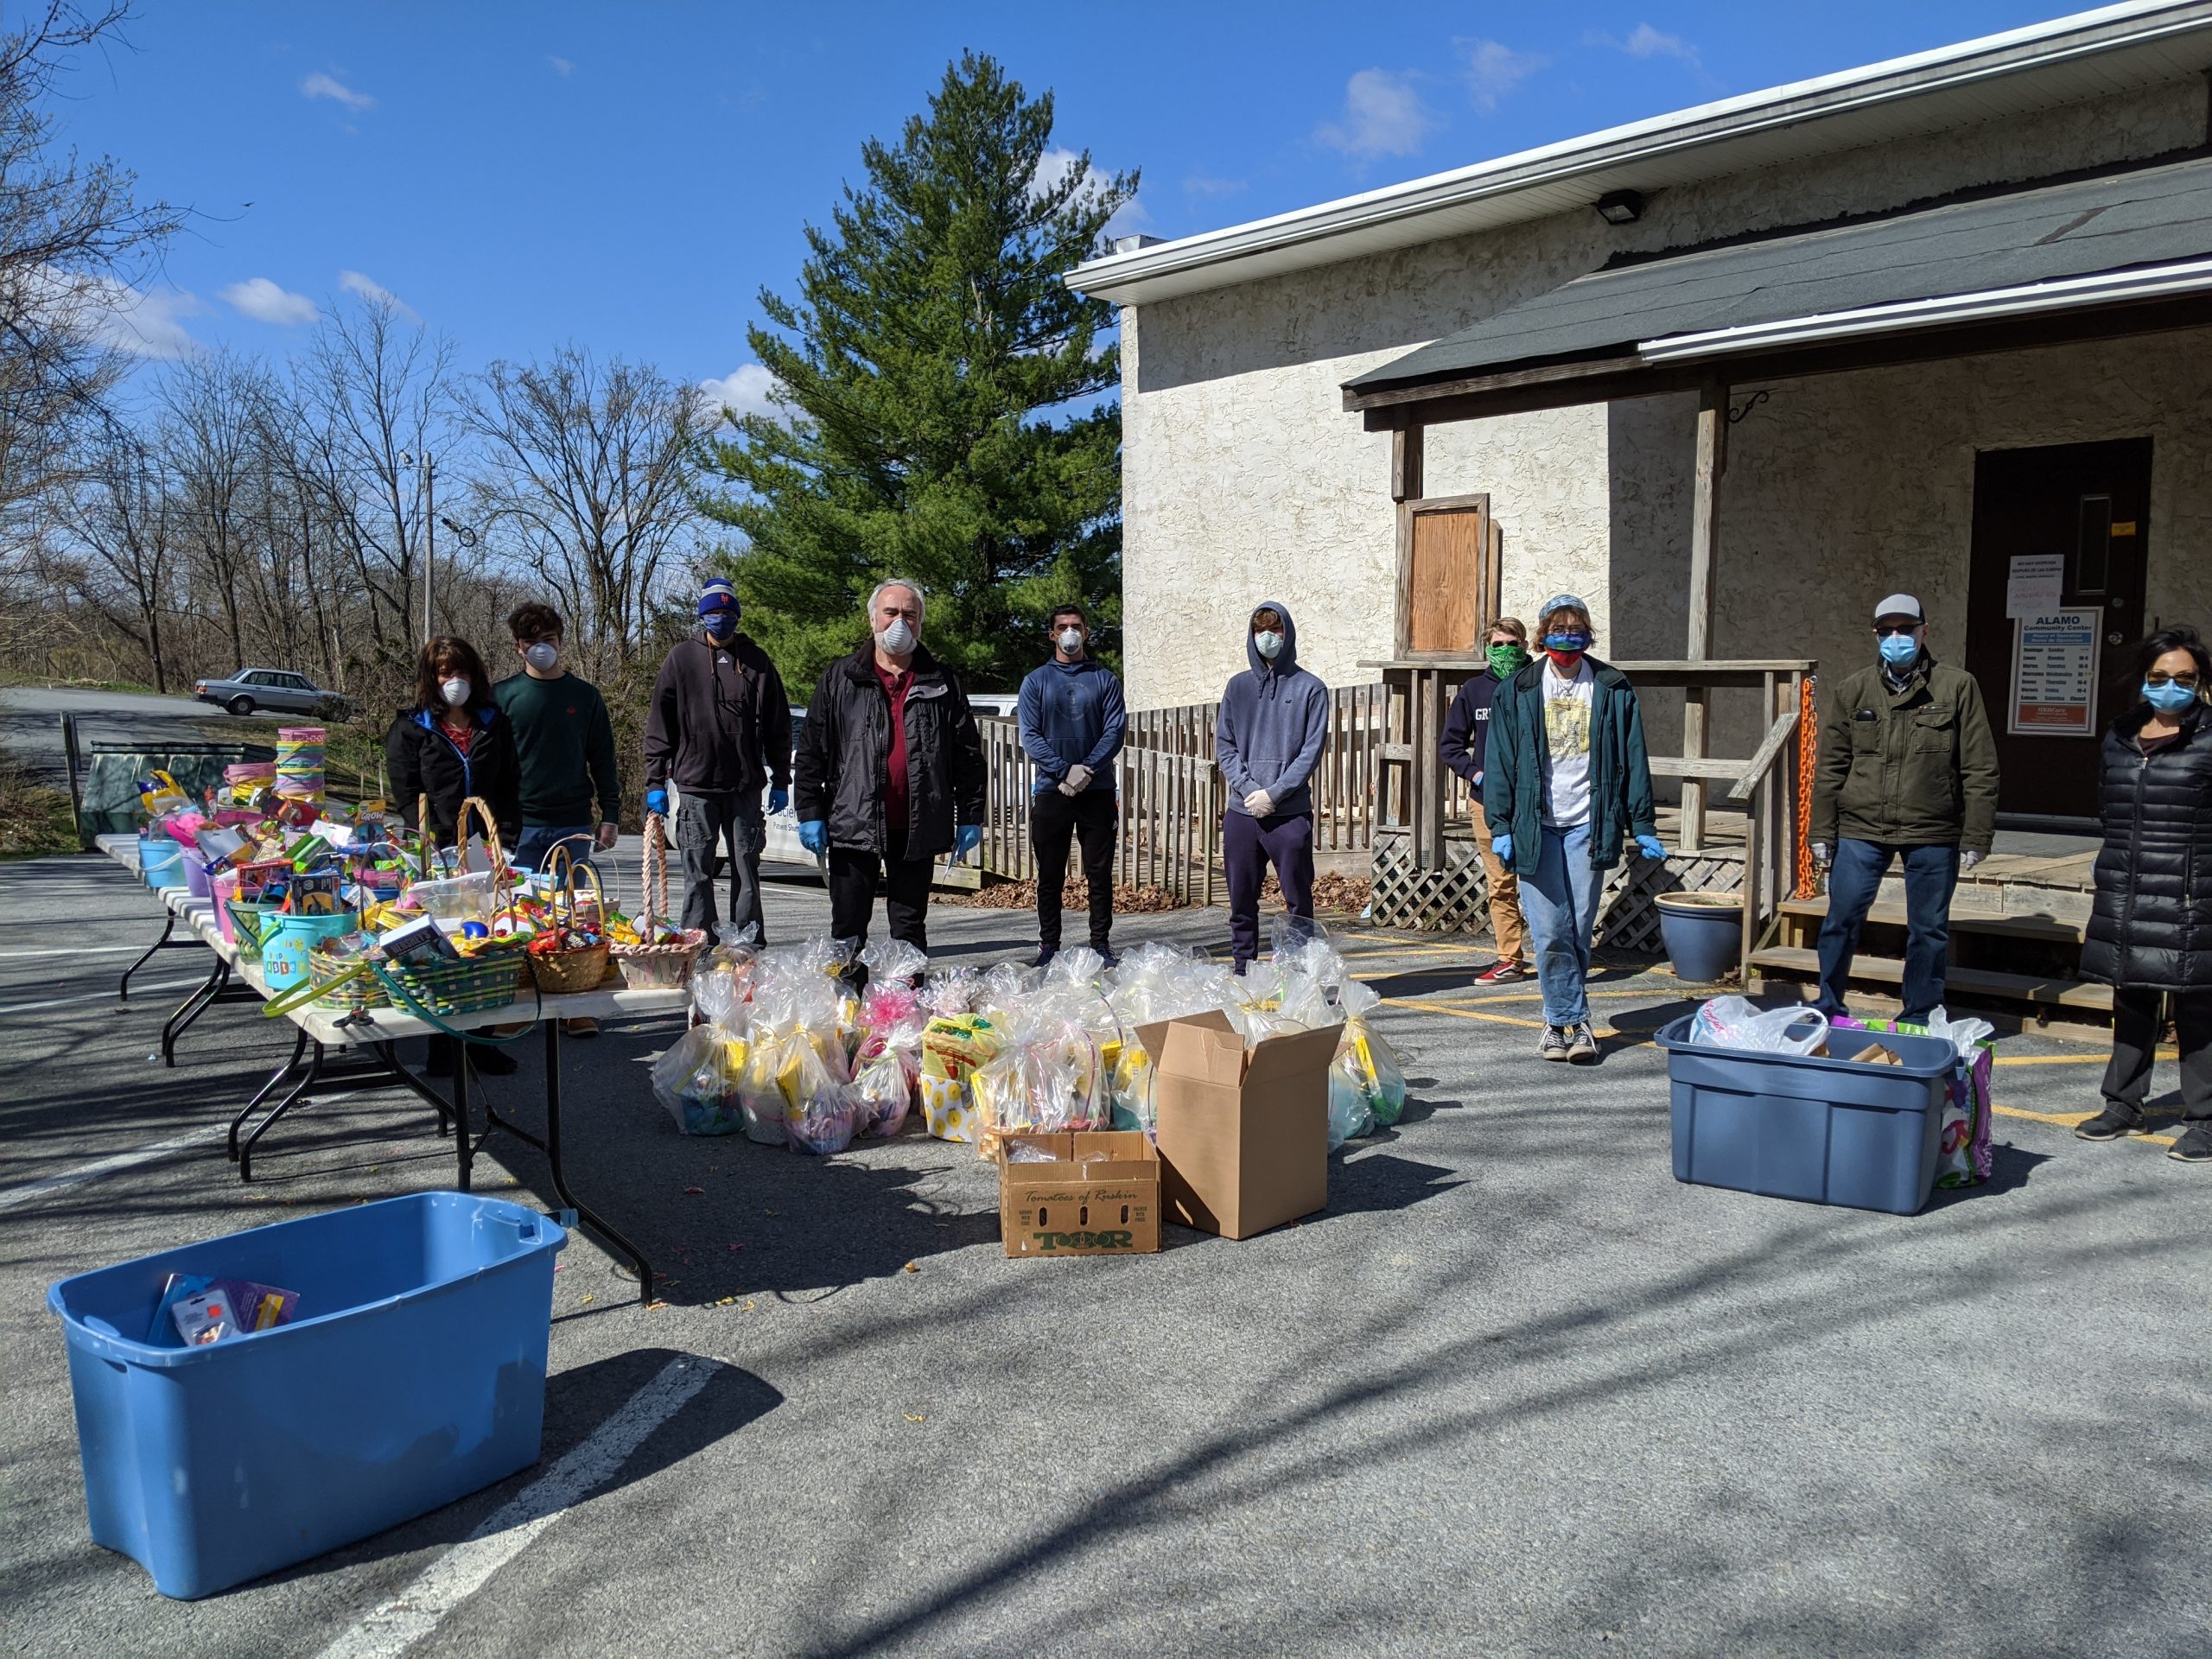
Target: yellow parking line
1470,1014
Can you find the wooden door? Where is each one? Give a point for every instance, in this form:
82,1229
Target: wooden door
2083,510
1444,575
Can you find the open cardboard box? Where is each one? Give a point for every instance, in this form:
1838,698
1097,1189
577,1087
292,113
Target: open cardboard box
1243,1130
1098,1195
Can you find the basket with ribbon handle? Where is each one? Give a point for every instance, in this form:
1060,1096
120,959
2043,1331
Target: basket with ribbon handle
571,954
661,960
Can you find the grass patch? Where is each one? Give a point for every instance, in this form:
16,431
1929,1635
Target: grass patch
35,821
47,683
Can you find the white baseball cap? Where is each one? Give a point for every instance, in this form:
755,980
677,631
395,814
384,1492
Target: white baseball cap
1899,605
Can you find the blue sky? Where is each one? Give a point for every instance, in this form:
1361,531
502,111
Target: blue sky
627,176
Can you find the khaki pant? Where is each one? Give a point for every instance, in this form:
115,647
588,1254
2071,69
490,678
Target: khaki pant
1505,920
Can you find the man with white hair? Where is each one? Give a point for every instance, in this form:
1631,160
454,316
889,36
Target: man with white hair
889,772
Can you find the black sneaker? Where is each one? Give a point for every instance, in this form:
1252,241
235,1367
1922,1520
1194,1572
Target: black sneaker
491,1062
1553,1045
1581,1042
1044,955
2195,1146
1106,956
2112,1123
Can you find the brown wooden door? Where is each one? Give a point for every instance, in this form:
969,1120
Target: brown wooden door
1444,577
2088,507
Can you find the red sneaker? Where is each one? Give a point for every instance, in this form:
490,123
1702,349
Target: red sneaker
1501,973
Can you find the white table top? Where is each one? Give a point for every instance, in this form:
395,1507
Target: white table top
391,1025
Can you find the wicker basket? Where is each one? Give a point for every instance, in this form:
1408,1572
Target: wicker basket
490,979
658,967
564,973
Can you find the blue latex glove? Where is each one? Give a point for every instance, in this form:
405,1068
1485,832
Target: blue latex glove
1503,846
813,836
965,840
779,799
657,801
1649,847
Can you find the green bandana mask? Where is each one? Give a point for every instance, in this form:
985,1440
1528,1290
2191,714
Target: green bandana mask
1506,659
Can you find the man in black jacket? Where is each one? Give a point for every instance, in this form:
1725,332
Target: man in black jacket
720,728
1466,733
889,772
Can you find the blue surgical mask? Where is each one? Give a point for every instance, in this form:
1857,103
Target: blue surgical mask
2170,698
1900,650
722,624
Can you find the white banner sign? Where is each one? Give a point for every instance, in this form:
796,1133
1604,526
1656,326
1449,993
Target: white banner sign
2055,674
2034,586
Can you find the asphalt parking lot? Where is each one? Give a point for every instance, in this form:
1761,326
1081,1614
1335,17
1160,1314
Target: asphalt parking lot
1516,1391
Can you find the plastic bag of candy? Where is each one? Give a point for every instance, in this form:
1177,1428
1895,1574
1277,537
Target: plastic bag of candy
819,1112
889,1059
1367,1059
1349,1117
760,1096
1048,1077
894,960
954,1047
698,1080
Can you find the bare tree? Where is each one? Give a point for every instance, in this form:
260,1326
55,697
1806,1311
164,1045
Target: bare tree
120,561
217,408
586,475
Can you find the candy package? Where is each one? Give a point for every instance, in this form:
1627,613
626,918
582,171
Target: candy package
1367,1059
760,1096
698,1080
200,1309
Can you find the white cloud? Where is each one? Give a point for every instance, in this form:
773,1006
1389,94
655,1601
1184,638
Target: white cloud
1201,186
1384,115
1494,70
319,84
562,66
1645,41
352,281
1051,171
264,301
748,390
143,323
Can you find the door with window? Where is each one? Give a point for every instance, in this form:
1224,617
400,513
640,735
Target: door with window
2054,611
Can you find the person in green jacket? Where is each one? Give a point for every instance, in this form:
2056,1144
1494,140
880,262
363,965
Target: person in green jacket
566,743
1907,770
1566,783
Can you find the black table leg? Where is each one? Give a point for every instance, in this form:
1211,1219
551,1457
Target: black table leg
168,925
191,1008
293,1096
277,1078
559,1176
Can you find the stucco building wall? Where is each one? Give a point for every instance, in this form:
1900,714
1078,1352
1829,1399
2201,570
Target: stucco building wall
1244,477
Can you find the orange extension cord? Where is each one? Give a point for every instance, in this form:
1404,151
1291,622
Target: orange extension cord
1808,740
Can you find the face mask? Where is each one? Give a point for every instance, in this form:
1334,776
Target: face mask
2169,699
542,657
722,624
1268,644
455,691
897,639
1572,641
1900,650
1506,659
1070,640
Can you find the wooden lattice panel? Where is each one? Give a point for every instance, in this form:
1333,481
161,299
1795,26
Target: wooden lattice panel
1457,900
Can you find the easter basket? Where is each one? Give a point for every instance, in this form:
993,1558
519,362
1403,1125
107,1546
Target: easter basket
666,966
566,970
490,978
339,984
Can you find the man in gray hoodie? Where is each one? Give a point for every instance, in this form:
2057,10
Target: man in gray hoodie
1267,740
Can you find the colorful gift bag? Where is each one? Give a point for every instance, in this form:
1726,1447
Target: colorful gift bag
1962,1156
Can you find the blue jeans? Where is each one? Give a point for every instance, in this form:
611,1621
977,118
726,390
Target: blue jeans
1560,902
537,841
1931,873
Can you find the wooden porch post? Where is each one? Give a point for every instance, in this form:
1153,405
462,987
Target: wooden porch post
1705,528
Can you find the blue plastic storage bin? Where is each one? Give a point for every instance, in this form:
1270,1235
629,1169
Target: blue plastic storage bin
414,1374
1792,1126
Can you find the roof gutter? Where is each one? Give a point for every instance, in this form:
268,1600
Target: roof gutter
2071,293
2084,35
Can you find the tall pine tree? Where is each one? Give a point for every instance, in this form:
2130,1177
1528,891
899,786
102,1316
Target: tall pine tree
938,383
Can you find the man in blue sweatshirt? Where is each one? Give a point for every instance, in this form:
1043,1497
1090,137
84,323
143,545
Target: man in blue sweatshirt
1071,721
1267,740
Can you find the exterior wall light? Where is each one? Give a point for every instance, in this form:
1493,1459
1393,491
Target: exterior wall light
1621,206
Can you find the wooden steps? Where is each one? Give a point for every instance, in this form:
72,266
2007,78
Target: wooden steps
2080,996
2043,928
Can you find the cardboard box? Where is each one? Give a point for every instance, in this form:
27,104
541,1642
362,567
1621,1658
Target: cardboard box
1243,1131
1097,1195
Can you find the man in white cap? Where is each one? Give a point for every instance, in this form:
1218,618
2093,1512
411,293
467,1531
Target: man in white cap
1908,771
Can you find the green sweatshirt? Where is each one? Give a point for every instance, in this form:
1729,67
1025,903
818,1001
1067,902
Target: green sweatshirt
567,746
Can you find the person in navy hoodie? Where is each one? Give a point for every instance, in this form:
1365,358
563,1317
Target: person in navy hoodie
454,743
1071,721
1267,740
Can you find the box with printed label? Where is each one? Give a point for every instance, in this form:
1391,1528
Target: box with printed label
1079,1192
1243,1127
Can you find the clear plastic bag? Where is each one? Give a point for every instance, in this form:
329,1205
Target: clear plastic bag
1737,1022
1349,1117
699,1078
894,960
759,1097
1367,1058
883,1091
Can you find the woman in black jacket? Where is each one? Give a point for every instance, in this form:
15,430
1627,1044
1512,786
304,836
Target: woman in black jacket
453,743
2151,926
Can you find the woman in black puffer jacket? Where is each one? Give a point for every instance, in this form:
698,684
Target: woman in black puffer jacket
2151,926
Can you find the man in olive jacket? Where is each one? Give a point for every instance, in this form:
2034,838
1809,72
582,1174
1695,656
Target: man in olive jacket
1907,769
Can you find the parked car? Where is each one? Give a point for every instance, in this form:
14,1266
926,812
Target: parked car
274,688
